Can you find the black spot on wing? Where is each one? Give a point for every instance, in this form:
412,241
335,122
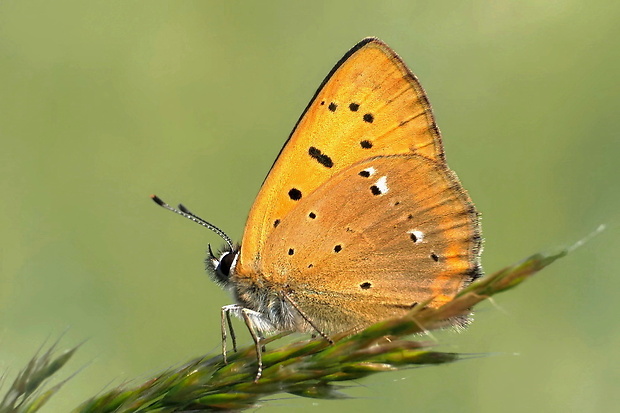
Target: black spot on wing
368,117
294,194
332,106
276,223
320,157
366,144
354,107
365,285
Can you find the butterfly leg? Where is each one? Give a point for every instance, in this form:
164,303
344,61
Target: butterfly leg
245,313
261,337
233,337
225,320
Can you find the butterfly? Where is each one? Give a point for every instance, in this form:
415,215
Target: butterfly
359,219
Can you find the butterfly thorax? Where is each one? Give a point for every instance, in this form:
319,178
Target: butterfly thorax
273,312
276,313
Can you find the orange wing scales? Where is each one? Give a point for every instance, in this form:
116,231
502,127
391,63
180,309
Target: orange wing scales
370,105
361,264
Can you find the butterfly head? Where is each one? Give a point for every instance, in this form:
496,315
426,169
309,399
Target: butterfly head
222,265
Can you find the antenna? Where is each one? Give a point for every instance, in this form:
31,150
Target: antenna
189,215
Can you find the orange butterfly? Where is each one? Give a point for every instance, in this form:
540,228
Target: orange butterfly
359,219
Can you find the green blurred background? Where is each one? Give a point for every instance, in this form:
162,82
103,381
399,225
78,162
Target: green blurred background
105,102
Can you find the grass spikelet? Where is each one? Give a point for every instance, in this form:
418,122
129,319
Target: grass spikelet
308,368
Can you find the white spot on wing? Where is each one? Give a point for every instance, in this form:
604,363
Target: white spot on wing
419,235
371,171
382,185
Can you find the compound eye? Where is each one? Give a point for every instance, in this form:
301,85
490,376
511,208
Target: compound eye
225,263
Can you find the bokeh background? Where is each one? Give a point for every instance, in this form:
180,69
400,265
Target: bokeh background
105,102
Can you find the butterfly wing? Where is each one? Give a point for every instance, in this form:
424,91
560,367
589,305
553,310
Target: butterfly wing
376,239
369,105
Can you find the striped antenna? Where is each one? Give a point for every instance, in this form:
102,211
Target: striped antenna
189,215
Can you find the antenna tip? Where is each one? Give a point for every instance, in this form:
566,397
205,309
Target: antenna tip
157,200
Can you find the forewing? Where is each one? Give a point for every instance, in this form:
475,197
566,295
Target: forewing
369,105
